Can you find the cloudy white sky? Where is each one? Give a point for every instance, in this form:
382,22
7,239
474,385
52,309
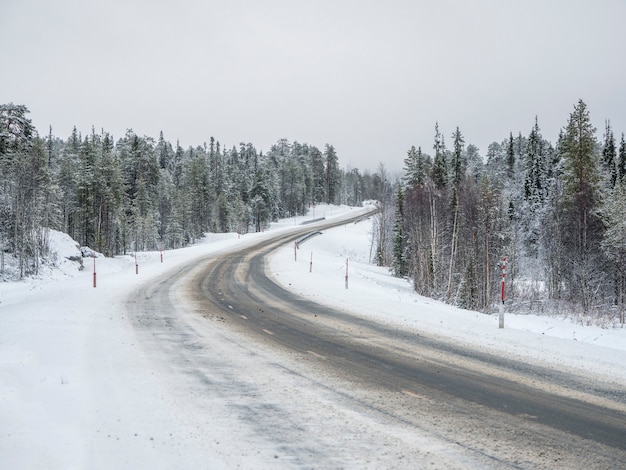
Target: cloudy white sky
369,77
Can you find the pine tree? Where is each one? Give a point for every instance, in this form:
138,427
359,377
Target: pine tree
198,187
317,173
414,168
535,185
86,190
332,175
459,165
440,165
510,157
473,161
164,153
621,165
260,200
582,229
400,255
609,156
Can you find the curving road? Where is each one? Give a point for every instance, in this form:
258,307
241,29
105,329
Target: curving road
480,410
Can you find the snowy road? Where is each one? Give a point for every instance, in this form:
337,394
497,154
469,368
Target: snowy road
285,382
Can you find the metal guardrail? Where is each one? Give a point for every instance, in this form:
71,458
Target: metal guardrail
306,237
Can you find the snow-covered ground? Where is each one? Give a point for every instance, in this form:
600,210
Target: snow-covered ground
71,368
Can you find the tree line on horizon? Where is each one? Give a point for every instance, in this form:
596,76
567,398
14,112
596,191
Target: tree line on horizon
557,213
139,193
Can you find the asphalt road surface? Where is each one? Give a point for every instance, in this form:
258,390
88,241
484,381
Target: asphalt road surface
406,400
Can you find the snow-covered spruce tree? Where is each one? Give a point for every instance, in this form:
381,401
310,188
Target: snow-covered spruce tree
318,172
304,181
165,153
439,172
535,173
400,244
333,180
202,201
582,228
473,161
292,187
510,157
621,163
609,156
164,206
414,168
459,162
260,200
273,163
535,168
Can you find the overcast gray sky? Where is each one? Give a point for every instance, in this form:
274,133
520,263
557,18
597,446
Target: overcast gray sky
369,77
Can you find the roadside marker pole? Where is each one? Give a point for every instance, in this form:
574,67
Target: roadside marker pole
136,264
501,318
346,273
295,251
94,271
311,263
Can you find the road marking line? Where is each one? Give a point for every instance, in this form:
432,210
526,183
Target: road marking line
268,332
408,392
230,307
244,317
316,355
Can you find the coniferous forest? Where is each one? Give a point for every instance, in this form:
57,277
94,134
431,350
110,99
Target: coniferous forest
137,193
556,212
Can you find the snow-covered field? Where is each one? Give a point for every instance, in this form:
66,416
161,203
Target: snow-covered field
71,368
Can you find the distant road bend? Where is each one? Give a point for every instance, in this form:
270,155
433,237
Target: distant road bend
512,414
